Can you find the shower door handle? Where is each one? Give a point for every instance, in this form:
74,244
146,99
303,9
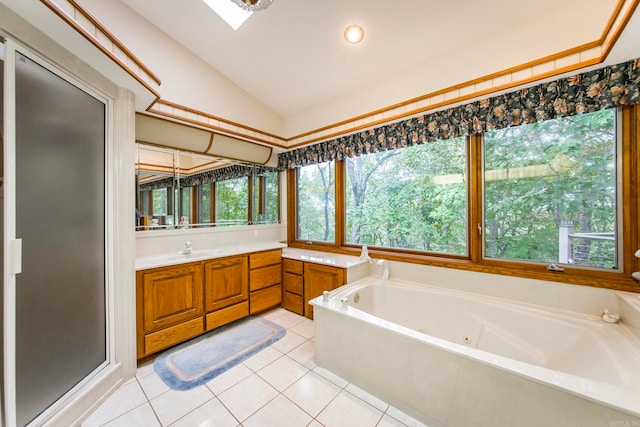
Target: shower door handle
15,256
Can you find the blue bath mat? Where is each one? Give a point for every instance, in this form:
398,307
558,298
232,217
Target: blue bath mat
197,361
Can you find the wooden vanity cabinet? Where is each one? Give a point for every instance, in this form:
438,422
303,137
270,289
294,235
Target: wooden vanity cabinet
265,280
169,306
179,302
226,290
293,285
317,279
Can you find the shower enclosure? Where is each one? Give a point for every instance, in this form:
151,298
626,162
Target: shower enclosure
54,241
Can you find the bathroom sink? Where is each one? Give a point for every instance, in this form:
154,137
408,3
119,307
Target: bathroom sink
201,254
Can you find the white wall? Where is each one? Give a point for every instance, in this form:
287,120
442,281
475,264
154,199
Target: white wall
507,47
186,79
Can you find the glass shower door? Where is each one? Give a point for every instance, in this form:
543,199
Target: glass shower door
60,217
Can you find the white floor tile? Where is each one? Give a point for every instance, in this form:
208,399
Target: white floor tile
262,359
153,386
126,398
388,421
142,416
246,397
282,373
287,343
273,314
279,412
288,319
303,354
129,381
229,378
145,368
348,410
304,328
369,398
279,386
404,418
175,404
211,414
312,393
340,382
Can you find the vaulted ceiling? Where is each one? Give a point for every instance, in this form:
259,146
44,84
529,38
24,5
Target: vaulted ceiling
292,56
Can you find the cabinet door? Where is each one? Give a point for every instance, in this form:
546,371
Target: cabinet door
171,295
319,278
226,282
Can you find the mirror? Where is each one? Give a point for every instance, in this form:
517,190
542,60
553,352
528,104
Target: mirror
177,189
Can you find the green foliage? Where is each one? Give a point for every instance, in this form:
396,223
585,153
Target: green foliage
159,202
551,173
232,201
413,198
270,215
316,202
538,178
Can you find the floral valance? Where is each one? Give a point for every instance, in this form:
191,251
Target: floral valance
607,87
214,175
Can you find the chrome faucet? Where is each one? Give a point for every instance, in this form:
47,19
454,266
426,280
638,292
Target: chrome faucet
187,249
385,269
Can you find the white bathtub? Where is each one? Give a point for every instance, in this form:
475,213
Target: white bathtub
454,358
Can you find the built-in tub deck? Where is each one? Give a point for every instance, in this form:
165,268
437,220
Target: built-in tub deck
451,357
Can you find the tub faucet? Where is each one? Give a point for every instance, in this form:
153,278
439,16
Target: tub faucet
385,269
364,254
610,316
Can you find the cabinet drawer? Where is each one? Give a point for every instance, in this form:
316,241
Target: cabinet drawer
264,277
292,266
173,335
292,283
227,315
261,259
265,298
292,302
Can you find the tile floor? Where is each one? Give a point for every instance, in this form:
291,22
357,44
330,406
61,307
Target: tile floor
279,386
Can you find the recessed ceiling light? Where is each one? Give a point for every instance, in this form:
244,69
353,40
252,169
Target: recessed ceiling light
353,34
231,13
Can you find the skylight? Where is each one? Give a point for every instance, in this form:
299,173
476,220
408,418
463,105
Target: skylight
231,13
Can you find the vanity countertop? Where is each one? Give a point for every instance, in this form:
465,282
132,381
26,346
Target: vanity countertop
326,258
173,258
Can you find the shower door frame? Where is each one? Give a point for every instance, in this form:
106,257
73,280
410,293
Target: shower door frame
12,244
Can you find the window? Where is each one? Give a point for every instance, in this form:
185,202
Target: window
232,202
204,203
185,203
550,191
412,198
316,202
162,205
266,205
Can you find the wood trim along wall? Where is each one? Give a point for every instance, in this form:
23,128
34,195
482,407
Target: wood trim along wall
182,113
585,55
144,76
80,8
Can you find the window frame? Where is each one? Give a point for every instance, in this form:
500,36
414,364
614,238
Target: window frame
618,212
628,201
